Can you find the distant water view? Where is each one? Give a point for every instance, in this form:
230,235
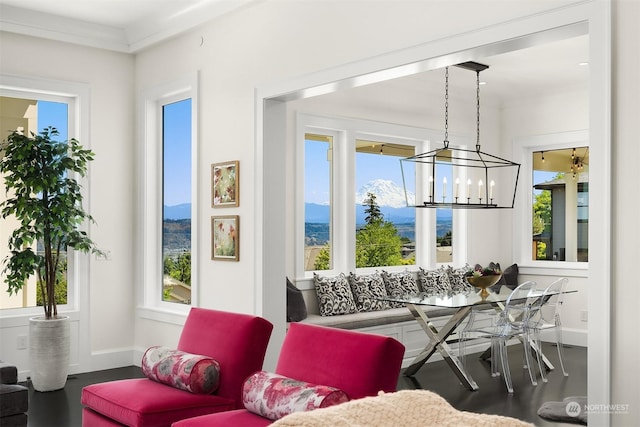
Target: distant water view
317,234
317,222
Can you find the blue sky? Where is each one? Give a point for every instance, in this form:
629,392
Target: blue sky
177,144
177,153
368,168
54,114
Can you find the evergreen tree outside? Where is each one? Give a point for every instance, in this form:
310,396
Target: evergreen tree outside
374,215
378,243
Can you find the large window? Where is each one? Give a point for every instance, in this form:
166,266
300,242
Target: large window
359,203
317,201
33,114
560,218
168,217
176,191
385,230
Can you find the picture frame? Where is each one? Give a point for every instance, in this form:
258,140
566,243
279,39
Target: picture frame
225,184
225,237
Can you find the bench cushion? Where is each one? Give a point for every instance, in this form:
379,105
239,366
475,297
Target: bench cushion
374,318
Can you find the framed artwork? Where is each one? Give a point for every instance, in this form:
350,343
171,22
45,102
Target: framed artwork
225,184
225,238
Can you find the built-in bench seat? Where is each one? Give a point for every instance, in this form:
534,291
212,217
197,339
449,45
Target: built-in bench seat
370,319
397,322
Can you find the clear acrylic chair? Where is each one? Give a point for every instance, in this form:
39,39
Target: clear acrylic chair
549,318
516,320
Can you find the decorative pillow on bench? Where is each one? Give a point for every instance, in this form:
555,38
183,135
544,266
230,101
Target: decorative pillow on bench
457,279
367,288
190,372
296,308
434,282
509,278
273,396
398,285
334,295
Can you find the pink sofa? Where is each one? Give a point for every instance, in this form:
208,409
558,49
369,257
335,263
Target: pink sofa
237,341
357,363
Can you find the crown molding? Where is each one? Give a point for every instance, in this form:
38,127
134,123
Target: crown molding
152,29
60,28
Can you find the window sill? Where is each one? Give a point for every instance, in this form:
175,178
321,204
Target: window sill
555,268
173,317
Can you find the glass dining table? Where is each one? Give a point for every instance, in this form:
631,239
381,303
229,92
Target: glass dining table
463,303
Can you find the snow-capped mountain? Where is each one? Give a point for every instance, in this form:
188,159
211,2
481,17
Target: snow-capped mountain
387,193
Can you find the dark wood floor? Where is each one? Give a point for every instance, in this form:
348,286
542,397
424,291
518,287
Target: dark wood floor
492,396
62,408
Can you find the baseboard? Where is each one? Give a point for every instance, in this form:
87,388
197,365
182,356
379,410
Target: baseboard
576,337
111,359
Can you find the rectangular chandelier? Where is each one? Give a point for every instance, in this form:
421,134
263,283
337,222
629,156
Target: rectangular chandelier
476,180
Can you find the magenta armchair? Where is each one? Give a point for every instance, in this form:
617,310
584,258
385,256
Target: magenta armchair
357,363
237,341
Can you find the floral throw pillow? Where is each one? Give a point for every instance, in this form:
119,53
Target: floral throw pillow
190,372
367,290
434,282
273,396
399,285
334,295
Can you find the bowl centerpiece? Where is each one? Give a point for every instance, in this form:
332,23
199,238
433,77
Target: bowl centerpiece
483,278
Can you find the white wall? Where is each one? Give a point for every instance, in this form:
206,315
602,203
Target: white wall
625,347
111,184
271,42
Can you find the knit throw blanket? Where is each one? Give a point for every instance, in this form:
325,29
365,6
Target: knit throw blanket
404,408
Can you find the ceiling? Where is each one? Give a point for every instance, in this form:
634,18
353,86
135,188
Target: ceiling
120,25
132,25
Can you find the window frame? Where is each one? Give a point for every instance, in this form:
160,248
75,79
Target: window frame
346,131
76,96
151,304
523,210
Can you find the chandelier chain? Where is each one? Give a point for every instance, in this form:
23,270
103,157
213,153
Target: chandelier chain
446,107
477,110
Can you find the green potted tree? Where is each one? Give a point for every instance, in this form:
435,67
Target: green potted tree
45,198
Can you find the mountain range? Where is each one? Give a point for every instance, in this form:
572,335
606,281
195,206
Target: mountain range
390,198
182,211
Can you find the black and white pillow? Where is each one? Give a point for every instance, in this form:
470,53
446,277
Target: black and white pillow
434,282
458,281
334,295
399,285
367,290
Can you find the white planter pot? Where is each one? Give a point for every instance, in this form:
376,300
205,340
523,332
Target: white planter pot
49,348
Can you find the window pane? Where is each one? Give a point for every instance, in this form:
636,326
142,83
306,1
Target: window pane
385,225
32,116
176,230
318,152
561,205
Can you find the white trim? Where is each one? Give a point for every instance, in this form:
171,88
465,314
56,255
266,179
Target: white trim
78,97
592,17
152,29
523,151
149,236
